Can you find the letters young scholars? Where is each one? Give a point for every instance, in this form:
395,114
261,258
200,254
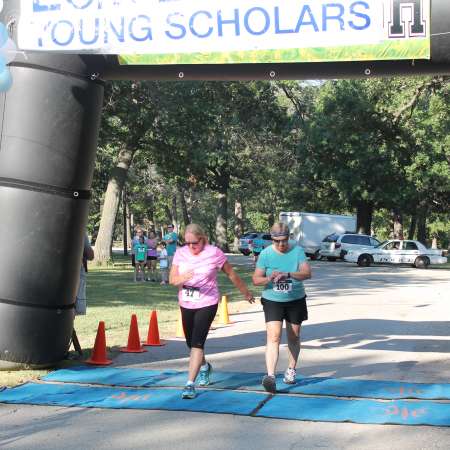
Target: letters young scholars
281,268
194,272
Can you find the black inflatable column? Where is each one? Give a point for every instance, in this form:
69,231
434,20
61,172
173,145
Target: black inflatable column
49,128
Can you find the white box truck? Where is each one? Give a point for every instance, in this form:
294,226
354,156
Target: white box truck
309,229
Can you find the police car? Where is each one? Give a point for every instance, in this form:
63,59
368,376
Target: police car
397,251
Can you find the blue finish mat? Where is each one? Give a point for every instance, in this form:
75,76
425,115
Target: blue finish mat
111,376
283,406
358,411
226,402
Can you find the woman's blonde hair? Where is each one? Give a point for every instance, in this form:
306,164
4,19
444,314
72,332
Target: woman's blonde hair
279,229
197,231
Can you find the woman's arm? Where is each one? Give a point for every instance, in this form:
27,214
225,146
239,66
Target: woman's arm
259,277
178,279
303,273
237,281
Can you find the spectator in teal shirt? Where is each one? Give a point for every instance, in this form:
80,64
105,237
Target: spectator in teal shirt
170,238
257,246
281,269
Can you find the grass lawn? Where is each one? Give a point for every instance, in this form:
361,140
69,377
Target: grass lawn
113,296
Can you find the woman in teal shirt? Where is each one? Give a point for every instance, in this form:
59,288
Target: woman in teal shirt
281,269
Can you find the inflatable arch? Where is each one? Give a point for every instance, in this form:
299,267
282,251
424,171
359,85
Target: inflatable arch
50,115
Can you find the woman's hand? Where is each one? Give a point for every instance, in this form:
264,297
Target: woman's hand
183,277
178,279
249,297
276,276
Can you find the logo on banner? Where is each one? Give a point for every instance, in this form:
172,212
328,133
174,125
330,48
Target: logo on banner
407,19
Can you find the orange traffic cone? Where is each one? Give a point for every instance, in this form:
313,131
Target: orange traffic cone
98,356
180,331
134,343
153,332
224,318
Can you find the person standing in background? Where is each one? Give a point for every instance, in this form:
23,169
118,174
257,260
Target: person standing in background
80,301
257,247
163,263
152,256
170,238
138,232
140,251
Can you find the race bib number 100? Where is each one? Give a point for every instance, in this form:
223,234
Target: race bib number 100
190,294
283,286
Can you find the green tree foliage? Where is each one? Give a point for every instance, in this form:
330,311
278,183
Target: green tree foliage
213,134
371,147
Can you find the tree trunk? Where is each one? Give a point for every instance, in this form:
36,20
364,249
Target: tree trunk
412,226
184,210
175,213
125,222
422,226
397,225
270,219
239,224
434,243
221,220
150,207
364,217
169,216
110,206
129,225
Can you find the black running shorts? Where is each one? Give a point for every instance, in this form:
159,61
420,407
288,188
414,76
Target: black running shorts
294,311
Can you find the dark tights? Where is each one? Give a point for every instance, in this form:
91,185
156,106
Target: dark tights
196,324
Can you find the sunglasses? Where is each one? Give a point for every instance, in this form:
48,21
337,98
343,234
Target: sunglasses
280,241
192,243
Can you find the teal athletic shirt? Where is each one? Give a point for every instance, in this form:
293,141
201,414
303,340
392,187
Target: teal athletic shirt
258,245
141,252
172,247
269,260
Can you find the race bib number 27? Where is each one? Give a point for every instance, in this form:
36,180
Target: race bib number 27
190,294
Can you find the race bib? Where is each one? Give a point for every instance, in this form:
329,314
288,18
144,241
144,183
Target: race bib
284,286
190,294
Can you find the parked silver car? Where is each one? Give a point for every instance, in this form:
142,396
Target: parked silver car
336,246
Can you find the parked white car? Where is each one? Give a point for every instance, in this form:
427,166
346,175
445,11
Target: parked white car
397,251
337,246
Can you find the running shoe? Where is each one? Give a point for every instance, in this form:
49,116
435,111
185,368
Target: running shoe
289,376
269,383
204,376
188,391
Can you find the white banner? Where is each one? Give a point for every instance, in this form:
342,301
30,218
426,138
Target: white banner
199,26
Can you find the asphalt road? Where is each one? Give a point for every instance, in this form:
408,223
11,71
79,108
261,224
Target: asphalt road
384,323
